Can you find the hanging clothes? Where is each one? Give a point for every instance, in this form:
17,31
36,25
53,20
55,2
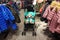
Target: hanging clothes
53,16
11,18
7,19
17,18
14,5
48,2
3,25
39,5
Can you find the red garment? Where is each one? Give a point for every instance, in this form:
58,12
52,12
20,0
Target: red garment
53,19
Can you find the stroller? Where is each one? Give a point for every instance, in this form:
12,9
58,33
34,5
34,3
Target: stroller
29,20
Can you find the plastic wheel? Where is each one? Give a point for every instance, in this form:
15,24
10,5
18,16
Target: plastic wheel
23,33
34,34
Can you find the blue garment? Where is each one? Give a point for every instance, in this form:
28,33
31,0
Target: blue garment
2,10
8,12
6,19
13,26
3,25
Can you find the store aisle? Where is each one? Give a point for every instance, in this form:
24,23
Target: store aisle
40,33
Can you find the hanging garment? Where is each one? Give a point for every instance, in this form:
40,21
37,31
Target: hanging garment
12,25
39,5
17,18
3,25
46,5
14,5
53,19
48,14
7,13
58,27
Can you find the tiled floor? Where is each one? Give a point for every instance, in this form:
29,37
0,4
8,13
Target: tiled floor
40,33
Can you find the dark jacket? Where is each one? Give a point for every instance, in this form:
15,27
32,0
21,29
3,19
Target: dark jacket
17,18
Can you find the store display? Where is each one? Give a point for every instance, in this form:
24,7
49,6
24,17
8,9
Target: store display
37,16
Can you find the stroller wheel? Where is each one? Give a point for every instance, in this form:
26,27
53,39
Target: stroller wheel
23,33
34,34
35,26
